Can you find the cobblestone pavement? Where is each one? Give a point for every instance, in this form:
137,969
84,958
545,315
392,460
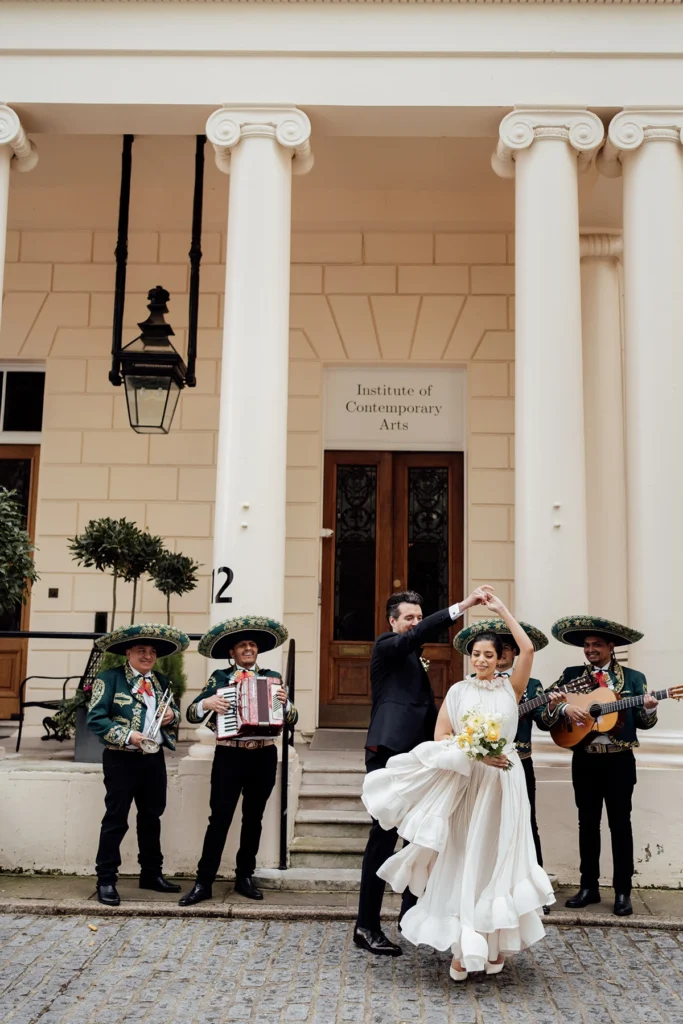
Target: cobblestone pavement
57,970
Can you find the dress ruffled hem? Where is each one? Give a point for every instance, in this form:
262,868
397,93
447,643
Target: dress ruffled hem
503,925
416,794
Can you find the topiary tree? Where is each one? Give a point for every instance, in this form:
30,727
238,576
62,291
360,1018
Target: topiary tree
141,558
174,573
105,543
17,568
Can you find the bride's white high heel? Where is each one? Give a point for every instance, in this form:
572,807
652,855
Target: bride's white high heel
457,975
494,968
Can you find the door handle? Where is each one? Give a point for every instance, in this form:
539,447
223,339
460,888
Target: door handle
397,584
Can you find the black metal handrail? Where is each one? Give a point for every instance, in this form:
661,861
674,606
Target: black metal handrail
287,741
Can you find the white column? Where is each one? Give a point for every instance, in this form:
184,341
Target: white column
647,145
16,149
542,149
260,148
604,425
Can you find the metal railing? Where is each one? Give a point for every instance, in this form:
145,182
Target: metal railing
287,742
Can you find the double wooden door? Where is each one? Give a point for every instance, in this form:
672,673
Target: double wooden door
18,472
397,522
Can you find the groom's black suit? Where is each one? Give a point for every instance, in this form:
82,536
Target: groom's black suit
403,715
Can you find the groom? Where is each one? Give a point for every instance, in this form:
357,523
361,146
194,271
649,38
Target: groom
403,715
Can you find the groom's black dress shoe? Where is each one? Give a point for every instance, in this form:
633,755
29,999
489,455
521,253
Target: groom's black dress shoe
583,898
108,895
158,883
375,942
245,886
622,905
197,893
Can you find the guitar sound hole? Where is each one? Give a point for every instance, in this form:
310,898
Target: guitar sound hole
595,711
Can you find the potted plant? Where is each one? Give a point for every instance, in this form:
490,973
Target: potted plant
17,568
120,547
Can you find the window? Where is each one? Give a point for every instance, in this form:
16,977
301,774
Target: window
21,401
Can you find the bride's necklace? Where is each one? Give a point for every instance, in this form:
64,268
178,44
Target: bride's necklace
489,684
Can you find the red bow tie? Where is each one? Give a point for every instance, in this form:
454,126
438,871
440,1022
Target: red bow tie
601,678
146,686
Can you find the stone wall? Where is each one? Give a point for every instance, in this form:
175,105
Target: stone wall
419,297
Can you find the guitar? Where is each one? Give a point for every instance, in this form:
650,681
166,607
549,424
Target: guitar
580,685
604,711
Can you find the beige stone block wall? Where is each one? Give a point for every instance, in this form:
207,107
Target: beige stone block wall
408,297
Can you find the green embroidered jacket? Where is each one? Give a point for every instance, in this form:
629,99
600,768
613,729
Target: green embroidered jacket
534,688
114,709
221,678
627,683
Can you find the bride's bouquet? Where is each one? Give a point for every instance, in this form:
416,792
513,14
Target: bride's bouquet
480,736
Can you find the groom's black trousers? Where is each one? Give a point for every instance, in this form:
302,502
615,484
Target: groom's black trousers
381,845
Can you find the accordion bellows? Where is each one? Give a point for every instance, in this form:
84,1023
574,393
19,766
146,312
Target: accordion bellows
255,710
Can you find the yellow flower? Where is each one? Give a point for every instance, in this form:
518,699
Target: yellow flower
463,741
493,735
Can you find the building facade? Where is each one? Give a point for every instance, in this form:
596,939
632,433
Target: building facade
439,323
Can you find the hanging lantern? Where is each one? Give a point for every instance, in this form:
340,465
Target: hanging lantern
152,370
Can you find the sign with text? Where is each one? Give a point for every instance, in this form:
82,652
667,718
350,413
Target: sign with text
396,407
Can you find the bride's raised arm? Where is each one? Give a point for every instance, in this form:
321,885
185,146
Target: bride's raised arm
525,658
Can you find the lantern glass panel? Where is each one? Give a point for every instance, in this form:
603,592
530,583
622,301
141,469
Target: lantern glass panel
151,402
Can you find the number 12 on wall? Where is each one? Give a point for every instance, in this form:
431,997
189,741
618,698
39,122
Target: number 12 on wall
229,577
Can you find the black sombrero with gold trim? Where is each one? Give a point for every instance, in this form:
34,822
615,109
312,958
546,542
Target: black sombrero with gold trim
573,629
164,639
464,641
266,633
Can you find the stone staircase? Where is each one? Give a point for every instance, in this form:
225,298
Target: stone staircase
331,825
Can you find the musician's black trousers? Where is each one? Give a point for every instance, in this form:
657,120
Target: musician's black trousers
235,772
381,845
528,766
607,778
131,776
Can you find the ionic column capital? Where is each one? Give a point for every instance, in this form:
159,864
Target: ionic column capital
12,134
287,125
603,245
631,128
581,129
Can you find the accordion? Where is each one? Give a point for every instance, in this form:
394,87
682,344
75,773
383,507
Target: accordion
255,710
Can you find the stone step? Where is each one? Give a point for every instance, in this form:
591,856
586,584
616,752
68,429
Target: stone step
332,822
327,852
309,879
343,778
322,797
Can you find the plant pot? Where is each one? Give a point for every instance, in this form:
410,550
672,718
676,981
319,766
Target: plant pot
87,747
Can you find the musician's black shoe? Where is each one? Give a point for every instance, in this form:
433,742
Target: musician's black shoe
245,887
622,905
583,898
158,883
197,893
108,895
375,942
546,908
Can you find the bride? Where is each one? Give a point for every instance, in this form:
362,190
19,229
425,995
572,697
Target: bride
471,857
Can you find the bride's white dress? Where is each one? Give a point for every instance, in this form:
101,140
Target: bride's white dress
471,859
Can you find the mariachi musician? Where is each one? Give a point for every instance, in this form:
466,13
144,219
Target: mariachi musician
246,767
603,764
128,704
464,642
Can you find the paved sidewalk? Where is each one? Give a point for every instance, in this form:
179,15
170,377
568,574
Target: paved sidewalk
68,894
94,970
